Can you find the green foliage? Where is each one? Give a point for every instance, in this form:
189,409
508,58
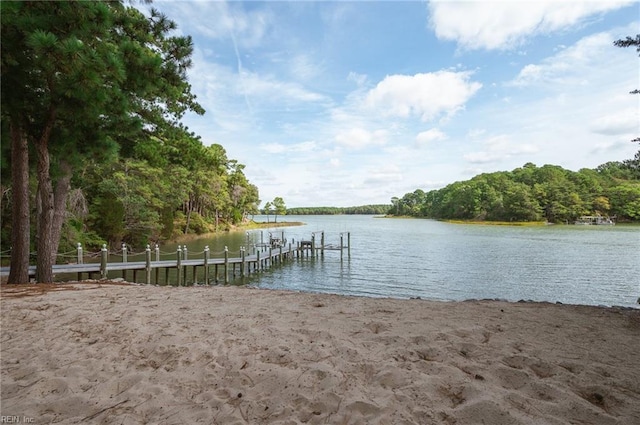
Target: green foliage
364,209
107,86
530,193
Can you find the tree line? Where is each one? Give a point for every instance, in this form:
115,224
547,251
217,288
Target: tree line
92,97
363,209
532,193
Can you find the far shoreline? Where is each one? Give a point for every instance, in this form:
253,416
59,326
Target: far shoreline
251,225
476,222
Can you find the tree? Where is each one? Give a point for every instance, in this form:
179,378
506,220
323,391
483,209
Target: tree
532,194
267,209
632,164
395,204
625,200
76,78
280,208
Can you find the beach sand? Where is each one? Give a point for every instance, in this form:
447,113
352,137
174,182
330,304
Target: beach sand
93,352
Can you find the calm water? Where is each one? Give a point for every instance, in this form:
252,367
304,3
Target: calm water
598,265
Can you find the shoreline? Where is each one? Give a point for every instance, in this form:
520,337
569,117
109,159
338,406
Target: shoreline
129,353
241,228
41,288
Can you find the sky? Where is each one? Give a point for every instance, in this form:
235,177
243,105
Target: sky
336,103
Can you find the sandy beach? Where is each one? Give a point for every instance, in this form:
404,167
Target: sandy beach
128,354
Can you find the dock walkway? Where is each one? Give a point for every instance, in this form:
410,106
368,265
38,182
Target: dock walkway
244,264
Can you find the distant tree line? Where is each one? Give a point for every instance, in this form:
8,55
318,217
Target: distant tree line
531,193
363,209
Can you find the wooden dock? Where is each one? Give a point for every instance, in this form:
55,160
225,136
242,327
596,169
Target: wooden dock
264,257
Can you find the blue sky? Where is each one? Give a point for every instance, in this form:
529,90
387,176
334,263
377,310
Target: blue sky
352,103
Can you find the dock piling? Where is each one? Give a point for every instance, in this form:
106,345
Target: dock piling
226,265
206,265
103,261
157,250
148,265
242,256
179,264
124,260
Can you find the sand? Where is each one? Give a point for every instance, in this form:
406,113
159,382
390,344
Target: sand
130,354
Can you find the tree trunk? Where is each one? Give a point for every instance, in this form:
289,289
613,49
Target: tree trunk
20,228
186,228
44,242
60,194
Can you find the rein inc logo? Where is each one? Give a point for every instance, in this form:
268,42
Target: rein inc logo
16,420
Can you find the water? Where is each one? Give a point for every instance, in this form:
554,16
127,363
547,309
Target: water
403,258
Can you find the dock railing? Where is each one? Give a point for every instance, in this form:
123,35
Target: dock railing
231,264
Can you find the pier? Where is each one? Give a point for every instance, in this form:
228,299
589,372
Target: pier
205,269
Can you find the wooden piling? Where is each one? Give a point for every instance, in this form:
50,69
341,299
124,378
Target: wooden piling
206,265
103,261
124,260
226,265
243,261
80,259
179,265
157,249
148,265
185,256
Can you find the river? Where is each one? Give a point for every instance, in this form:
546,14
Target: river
403,258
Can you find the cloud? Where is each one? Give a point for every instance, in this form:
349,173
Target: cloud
506,25
424,95
269,89
566,66
499,148
303,67
624,122
223,20
383,175
276,148
432,135
359,79
359,138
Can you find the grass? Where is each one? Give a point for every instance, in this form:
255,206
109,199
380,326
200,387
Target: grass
264,225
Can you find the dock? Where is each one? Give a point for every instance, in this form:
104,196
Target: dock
212,270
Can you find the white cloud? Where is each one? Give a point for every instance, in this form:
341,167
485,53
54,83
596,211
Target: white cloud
269,89
359,79
220,20
566,66
424,95
273,147
508,24
383,175
499,148
432,135
359,138
624,122
303,67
